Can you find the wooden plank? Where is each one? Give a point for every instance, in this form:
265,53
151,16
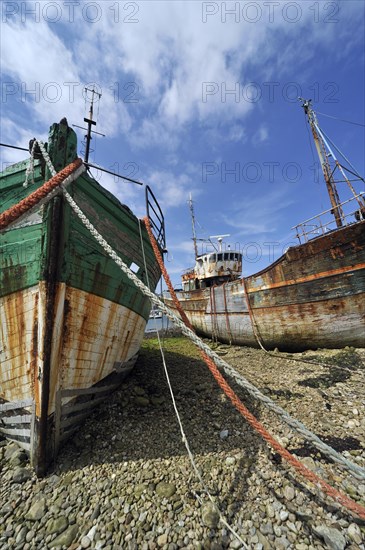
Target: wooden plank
32,434
20,419
57,420
11,378
69,409
74,420
20,251
23,432
86,391
68,433
23,444
16,405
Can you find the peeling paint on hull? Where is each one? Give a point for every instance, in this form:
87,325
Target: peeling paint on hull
92,339
311,297
71,321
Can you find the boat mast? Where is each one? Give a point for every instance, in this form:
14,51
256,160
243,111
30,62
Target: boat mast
88,138
191,206
90,122
324,161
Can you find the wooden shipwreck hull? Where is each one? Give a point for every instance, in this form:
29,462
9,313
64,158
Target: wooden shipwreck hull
71,322
311,297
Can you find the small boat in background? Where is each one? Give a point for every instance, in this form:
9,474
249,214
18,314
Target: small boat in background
313,296
155,314
71,321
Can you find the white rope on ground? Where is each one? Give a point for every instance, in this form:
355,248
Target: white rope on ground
182,431
190,454
356,470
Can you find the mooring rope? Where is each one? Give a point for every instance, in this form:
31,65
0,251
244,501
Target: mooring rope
295,424
253,320
190,454
338,496
304,471
179,421
21,208
30,169
212,360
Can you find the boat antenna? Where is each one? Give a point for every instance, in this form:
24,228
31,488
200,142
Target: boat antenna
219,239
88,137
325,152
90,123
191,206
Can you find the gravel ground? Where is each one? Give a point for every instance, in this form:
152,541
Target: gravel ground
125,480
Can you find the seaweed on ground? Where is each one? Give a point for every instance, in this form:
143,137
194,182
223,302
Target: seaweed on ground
340,365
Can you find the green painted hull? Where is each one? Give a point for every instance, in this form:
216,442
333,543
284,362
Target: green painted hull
71,321
81,262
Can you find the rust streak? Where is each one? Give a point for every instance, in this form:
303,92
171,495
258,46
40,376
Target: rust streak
308,278
15,328
34,355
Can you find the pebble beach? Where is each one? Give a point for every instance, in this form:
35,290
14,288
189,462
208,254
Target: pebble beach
125,481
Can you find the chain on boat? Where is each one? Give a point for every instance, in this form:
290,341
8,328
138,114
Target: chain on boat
44,193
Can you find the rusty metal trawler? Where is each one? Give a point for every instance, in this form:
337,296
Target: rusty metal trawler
312,296
71,321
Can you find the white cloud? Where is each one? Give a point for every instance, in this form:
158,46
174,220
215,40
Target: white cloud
48,78
183,246
152,132
173,190
14,134
163,61
237,133
257,216
261,135
186,71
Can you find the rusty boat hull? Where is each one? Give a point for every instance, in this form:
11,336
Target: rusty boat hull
311,297
71,322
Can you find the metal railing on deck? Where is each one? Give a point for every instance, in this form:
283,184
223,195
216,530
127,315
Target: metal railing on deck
315,226
156,217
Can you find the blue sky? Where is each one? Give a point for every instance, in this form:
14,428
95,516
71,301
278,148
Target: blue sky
197,97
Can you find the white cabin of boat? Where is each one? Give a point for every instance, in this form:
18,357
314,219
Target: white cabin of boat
213,268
